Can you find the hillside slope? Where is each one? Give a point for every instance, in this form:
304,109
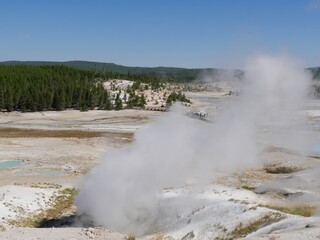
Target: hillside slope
167,73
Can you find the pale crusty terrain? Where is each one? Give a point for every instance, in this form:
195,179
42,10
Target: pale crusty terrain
244,204
56,149
61,234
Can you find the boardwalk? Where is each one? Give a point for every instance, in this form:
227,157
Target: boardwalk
155,108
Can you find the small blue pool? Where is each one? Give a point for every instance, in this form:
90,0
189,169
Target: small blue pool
10,164
316,148
23,172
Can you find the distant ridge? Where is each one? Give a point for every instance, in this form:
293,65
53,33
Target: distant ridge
100,66
169,73
175,74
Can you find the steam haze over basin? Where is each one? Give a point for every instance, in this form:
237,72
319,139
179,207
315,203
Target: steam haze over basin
124,191
174,120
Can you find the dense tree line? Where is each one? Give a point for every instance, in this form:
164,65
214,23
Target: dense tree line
145,74
177,96
315,72
38,88
136,101
57,87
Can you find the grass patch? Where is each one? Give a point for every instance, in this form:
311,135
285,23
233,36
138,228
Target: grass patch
306,210
161,236
2,228
46,185
243,230
281,169
38,133
189,235
60,203
40,185
131,237
247,187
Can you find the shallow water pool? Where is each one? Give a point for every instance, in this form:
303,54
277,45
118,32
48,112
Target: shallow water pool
316,148
10,164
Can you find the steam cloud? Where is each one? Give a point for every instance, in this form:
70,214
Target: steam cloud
122,193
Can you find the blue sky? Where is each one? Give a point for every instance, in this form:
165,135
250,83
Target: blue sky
182,33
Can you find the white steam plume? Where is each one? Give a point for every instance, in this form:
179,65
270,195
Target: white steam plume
122,193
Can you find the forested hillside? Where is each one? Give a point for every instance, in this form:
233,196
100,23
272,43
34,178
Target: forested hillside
169,74
37,88
57,87
315,73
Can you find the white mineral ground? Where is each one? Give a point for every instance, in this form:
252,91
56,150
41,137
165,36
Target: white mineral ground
205,213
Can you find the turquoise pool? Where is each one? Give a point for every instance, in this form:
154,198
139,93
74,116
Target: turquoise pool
10,164
316,148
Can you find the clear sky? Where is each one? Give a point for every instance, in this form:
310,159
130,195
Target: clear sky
182,33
